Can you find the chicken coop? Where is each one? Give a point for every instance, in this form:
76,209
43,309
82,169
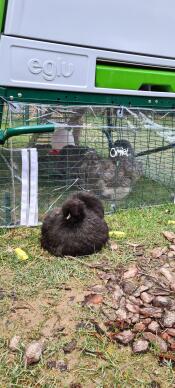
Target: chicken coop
84,111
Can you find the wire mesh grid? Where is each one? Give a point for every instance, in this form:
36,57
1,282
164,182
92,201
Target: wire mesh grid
124,155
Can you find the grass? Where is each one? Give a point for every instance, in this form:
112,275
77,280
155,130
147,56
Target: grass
37,288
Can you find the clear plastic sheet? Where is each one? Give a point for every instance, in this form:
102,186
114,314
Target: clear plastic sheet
123,155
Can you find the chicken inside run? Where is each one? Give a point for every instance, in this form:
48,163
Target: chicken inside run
120,158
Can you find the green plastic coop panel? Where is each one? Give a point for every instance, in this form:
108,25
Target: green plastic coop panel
2,12
118,77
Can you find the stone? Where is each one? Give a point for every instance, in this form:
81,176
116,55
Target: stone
132,308
97,288
171,332
146,321
33,352
140,346
135,318
169,319
141,289
158,252
167,274
154,327
117,294
147,298
139,327
161,301
170,236
172,346
156,340
171,255
128,287
135,300
131,273
121,314
153,312
125,337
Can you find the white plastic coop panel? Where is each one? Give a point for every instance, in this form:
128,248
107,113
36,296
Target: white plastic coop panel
36,64
137,26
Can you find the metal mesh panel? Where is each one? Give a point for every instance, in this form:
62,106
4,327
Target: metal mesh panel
125,156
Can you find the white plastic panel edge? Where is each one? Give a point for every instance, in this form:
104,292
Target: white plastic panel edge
137,26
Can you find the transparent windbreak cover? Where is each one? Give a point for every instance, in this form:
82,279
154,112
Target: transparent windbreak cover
123,155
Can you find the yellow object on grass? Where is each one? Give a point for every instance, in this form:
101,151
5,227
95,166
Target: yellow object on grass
21,254
117,234
171,222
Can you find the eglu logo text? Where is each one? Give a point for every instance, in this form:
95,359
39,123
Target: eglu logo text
49,69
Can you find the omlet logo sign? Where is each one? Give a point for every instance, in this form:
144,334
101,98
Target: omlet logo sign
50,69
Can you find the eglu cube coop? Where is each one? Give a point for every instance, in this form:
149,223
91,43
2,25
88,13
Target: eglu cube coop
87,102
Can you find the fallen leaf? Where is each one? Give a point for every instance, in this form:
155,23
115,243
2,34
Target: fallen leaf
168,275
113,246
135,245
97,288
158,252
116,234
94,353
14,343
167,357
171,222
92,299
170,236
119,324
61,365
70,346
131,273
98,327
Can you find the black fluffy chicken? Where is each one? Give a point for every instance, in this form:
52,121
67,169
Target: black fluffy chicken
77,229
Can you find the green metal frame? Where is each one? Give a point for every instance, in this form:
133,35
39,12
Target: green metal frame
70,98
28,129
81,98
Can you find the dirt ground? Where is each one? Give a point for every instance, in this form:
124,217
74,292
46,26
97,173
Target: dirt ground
73,304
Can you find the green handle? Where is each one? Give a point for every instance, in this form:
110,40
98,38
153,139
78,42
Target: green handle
30,129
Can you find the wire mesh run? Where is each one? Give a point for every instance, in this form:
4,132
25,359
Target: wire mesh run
125,156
